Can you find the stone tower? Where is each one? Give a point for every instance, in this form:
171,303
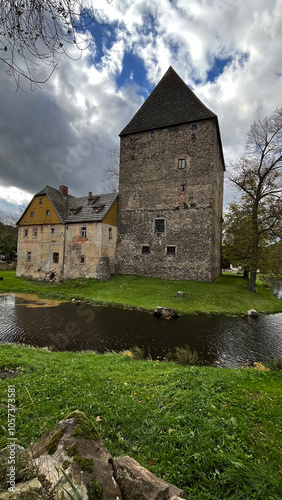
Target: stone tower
171,187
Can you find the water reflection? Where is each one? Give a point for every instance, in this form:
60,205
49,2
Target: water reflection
76,327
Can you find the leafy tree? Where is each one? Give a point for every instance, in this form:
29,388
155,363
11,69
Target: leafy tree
8,240
36,31
259,175
272,263
237,238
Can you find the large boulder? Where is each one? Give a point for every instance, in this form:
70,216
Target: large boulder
137,483
75,449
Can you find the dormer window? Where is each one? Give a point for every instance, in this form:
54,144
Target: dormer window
31,214
74,211
40,201
98,209
47,212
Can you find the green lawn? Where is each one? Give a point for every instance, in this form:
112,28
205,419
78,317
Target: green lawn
227,295
215,433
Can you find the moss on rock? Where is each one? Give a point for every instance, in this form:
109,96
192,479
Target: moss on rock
54,441
94,490
84,427
86,464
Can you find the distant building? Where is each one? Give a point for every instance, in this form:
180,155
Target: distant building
61,236
171,187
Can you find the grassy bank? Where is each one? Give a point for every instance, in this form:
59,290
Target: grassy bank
227,295
215,433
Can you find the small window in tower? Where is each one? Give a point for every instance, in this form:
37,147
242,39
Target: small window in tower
110,233
26,233
82,259
52,230
170,250
181,163
153,133
145,249
31,214
83,232
182,187
40,201
34,232
55,258
194,126
47,212
159,225
28,255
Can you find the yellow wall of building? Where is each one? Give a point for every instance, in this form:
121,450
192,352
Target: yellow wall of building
111,217
39,210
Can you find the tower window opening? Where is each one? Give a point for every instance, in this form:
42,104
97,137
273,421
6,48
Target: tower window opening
181,163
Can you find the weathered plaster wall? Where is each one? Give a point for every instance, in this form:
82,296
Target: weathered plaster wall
82,254
190,201
41,248
78,256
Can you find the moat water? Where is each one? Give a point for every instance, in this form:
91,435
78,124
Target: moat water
225,341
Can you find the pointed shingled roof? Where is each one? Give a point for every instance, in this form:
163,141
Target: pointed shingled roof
171,102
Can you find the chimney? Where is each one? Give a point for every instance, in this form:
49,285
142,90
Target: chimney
64,190
89,195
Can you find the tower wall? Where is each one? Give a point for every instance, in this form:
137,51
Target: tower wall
186,201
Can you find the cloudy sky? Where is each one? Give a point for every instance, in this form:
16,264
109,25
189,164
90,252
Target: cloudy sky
227,51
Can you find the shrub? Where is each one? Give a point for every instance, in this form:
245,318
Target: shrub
137,352
274,364
184,356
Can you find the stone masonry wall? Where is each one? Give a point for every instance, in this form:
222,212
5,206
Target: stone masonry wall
189,200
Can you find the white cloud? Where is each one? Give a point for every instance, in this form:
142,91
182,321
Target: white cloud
61,134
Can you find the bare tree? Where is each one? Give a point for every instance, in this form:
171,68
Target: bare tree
38,31
259,175
12,219
111,175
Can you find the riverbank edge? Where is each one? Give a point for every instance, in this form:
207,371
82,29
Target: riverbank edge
226,296
185,424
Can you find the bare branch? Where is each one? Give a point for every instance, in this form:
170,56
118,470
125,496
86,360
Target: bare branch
34,33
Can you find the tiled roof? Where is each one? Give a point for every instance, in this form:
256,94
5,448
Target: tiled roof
171,102
72,209
84,210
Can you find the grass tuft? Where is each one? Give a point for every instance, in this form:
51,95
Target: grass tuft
274,364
